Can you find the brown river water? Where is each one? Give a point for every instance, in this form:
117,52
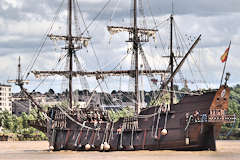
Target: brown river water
38,150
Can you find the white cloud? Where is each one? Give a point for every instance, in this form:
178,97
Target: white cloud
11,3
22,24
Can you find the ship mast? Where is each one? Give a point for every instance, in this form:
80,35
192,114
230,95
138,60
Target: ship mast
70,50
171,59
19,81
136,36
135,52
19,70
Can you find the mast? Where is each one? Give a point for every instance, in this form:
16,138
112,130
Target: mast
171,59
165,84
135,52
19,81
70,50
136,36
19,70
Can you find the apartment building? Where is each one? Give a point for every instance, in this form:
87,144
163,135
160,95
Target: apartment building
5,98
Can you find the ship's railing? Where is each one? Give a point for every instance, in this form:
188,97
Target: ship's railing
220,115
222,118
214,116
130,123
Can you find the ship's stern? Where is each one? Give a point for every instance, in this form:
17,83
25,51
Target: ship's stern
218,115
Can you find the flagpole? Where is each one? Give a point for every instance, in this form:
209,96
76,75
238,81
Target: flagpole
223,72
225,65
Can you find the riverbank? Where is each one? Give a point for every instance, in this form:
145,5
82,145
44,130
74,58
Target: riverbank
37,136
38,150
229,134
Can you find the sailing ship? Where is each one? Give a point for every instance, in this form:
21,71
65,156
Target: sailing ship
193,123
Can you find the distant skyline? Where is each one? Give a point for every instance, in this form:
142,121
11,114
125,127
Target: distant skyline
23,24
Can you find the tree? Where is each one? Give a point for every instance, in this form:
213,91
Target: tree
124,112
234,103
15,123
114,92
24,120
51,91
7,121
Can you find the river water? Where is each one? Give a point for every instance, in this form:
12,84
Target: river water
38,150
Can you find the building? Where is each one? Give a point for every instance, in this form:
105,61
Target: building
20,106
5,98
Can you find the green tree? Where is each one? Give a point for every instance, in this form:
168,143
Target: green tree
24,120
7,121
234,103
15,123
124,112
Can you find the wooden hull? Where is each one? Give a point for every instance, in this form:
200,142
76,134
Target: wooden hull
182,135
143,140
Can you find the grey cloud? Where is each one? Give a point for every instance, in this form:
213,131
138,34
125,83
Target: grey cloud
212,18
160,7
45,8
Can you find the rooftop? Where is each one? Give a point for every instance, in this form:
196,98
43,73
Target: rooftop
4,85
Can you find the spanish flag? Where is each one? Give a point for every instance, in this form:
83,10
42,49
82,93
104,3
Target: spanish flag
225,54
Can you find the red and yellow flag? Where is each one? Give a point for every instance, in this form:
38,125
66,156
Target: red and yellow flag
225,54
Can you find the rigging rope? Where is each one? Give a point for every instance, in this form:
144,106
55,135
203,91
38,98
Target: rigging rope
83,80
111,133
109,100
121,137
158,119
73,120
29,67
77,26
105,134
131,143
45,78
95,18
141,11
156,26
166,116
86,30
113,61
198,68
189,120
78,139
153,121
114,11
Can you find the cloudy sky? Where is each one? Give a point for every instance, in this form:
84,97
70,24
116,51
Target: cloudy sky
24,23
